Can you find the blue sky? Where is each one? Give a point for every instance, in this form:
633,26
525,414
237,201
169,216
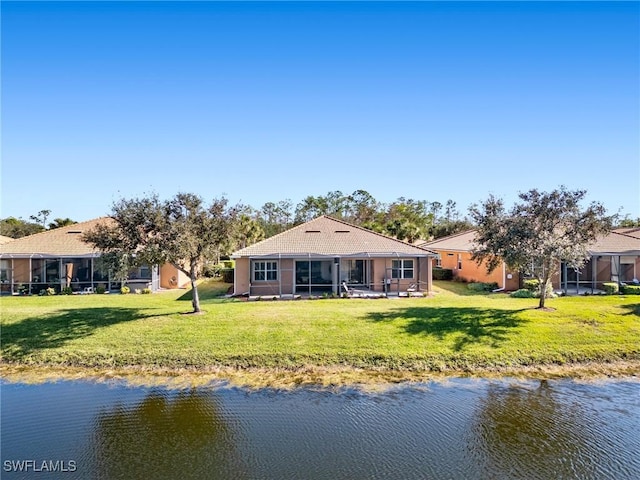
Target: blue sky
268,101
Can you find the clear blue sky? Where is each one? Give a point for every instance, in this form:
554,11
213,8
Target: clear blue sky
267,101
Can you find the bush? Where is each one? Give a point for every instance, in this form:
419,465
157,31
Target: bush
146,291
101,289
66,291
124,290
229,264
227,275
533,285
442,274
210,270
482,286
631,289
523,293
47,292
610,288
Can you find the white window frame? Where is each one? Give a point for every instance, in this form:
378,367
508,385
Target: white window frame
459,261
401,271
439,261
267,268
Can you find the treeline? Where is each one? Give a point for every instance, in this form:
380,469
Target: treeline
406,219
18,228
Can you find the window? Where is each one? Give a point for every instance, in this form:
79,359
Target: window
402,269
265,271
459,261
439,261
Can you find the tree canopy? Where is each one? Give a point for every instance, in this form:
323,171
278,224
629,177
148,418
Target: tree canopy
539,232
183,231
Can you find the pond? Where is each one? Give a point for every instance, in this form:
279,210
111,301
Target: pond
457,429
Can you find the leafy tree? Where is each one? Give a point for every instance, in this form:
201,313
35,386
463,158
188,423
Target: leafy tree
18,228
61,222
183,231
41,217
539,232
247,231
629,222
275,218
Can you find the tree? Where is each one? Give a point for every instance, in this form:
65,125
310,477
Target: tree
18,228
538,233
41,217
61,222
183,231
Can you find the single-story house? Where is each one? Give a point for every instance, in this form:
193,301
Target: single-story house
325,255
454,253
59,258
614,257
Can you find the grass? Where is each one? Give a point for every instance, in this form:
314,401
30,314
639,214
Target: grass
455,331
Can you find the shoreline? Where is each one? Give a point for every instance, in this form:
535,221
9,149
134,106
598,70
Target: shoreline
309,376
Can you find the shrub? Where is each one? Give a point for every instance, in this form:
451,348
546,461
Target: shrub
631,289
66,291
101,289
227,275
229,263
210,270
124,290
442,274
610,288
531,284
482,286
523,293
146,291
137,291
47,292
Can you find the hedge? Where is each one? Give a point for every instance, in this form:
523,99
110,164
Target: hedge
442,274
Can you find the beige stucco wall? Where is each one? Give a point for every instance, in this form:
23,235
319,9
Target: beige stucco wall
169,273
241,276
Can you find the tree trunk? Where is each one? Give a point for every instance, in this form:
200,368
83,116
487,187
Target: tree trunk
195,299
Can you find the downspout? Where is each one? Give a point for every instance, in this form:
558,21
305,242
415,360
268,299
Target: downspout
504,280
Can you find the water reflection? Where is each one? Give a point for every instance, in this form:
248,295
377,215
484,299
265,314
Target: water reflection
458,429
184,435
536,430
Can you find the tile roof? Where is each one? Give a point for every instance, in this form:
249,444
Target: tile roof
617,242
329,236
63,241
462,242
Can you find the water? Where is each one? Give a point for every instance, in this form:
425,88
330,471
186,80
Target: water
461,429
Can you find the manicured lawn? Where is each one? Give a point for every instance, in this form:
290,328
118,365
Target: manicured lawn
454,330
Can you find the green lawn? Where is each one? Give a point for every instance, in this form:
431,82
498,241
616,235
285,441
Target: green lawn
453,330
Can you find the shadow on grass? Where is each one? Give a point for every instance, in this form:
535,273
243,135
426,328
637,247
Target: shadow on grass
472,325
54,330
634,309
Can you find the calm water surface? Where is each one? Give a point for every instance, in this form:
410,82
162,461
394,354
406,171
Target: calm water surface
460,429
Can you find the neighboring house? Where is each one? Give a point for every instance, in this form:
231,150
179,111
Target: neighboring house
614,257
454,253
59,258
323,254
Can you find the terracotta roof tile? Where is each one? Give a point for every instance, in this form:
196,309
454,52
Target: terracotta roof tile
329,236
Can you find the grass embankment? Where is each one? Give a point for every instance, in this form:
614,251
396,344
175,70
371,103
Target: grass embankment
455,331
